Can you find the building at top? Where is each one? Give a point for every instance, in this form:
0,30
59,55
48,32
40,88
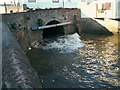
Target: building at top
89,8
100,9
50,3
109,8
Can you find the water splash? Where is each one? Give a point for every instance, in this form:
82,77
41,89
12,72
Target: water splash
65,44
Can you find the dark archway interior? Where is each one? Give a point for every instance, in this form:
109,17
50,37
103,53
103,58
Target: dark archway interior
53,32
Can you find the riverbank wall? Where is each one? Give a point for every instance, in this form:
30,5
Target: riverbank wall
112,25
16,69
99,26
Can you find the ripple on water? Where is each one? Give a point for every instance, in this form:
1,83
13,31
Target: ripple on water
95,64
68,43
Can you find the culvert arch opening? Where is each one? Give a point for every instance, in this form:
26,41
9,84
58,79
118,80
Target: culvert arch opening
54,31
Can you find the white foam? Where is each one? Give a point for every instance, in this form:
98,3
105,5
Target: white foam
68,43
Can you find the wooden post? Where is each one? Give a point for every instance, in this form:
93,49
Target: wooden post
5,7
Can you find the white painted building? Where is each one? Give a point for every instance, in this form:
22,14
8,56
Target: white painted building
88,8
116,9
111,8
100,8
51,3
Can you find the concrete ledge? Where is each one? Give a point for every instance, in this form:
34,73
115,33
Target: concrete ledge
92,27
111,25
16,69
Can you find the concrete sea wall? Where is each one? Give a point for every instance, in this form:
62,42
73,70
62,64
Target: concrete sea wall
16,69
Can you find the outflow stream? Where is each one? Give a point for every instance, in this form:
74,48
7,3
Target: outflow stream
78,62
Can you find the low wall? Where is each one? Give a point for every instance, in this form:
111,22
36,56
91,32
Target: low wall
16,69
111,25
91,26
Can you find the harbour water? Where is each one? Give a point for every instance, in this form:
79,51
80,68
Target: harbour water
75,61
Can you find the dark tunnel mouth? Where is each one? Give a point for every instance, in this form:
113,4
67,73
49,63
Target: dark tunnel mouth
53,32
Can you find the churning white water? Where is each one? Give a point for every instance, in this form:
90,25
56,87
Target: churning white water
68,43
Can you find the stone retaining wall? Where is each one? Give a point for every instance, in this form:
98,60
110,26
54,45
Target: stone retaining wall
16,69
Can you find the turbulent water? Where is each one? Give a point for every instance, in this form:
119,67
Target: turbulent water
78,62
65,44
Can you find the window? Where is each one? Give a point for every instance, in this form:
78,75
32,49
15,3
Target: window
82,0
108,6
55,1
31,0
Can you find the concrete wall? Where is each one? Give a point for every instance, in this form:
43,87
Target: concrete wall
2,9
16,69
118,9
88,10
20,24
9,8
111,25
92,27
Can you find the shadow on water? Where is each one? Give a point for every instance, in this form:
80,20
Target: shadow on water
40,60
95,65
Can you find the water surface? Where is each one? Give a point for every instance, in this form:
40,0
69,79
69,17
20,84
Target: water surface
78,62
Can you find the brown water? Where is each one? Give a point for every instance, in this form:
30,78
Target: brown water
95,65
